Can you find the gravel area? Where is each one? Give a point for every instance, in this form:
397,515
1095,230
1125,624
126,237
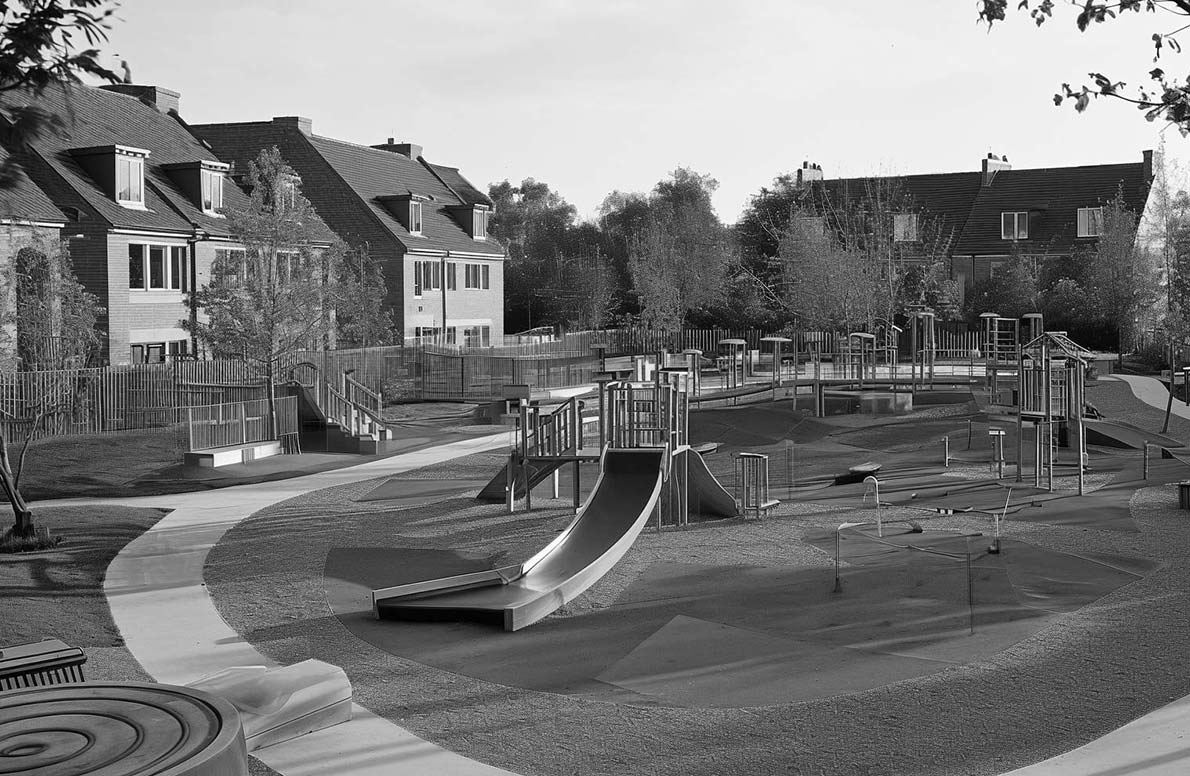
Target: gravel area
1092,671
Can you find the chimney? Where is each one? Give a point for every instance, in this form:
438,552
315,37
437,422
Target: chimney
412,150
164,100
303,124
992,165
808,172
1148,165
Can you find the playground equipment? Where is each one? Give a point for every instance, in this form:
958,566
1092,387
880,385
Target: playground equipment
859,358
644,425
999,338
752,485
776,343
923,349
1051,395
733,362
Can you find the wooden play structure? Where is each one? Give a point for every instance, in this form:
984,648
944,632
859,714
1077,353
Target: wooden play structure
1051,395
923,348
752,485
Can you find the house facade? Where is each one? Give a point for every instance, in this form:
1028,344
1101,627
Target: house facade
140,198
26,215
979,219
424,223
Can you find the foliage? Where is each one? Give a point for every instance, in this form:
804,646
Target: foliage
51,319
679,256
1165,97
841,263
1013,290
281,292
38,47
1121,279
361,317
11,541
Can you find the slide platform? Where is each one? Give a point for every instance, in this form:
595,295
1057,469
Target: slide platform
514,597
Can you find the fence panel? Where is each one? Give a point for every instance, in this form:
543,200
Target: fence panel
237,423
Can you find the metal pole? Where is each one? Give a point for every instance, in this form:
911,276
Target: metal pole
970,592
1145,458
946,452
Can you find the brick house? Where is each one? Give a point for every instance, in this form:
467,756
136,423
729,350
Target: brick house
424,223
984,217
141,196
26,212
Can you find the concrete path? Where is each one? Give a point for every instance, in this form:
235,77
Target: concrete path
159,602
1156,744
1153,392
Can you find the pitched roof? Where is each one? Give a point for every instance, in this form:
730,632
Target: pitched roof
947,197
97,117
24,201
365,175
460,185
1053,196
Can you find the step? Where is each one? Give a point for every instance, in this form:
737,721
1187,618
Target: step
232,454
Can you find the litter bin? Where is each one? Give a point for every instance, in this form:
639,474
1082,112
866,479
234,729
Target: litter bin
39,664
1184,494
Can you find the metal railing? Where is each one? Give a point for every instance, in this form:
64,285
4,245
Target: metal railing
238,423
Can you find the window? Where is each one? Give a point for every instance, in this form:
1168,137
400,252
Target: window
414,217
289,267
426,331
477,336
130,180
480,229
427,276
1014,226
476,276
1090,221
159,352
451,276
905,227
212,190
452,335
158,267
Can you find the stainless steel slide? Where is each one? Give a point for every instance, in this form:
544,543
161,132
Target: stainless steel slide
624,497
706,495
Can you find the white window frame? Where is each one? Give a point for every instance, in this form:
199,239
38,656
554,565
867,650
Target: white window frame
1086,221
427,276
133,166
480,225
175,277
211,191
477,276
415,217
1019,218
904,227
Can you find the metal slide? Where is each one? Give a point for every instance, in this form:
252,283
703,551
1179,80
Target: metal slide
624,497
706,495
536,471
1114,433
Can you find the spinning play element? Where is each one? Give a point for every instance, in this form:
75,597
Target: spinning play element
119,729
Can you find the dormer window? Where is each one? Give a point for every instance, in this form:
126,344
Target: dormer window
1090,221
406,208
130,179
119,171
212,190
473,219
414,217
201,181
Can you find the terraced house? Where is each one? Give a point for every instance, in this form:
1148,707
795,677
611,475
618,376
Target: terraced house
424,223
980,218
141,198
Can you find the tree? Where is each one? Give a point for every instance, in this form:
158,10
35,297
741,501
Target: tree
49,319
279,295
680,256
1122,280
361,318
1012,290
38,47
1165,97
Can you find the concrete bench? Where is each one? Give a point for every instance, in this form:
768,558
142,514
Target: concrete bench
278,704
232,454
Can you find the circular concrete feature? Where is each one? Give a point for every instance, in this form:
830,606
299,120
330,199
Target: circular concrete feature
119,729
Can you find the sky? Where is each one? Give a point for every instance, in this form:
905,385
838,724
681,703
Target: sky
594,96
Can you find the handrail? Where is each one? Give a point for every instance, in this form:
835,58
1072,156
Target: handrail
359,394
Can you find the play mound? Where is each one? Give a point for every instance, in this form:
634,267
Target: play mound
714,636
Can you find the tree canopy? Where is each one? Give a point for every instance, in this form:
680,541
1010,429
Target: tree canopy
1163,96
40,46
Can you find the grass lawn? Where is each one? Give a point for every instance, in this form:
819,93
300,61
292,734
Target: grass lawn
97,465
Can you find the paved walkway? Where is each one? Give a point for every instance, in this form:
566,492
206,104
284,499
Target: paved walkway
1155,744
169,623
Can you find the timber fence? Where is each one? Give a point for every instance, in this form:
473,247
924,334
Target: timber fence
237,423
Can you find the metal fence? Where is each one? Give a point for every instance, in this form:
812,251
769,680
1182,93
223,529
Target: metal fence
238,423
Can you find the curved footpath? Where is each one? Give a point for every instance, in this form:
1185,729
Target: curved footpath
1155,744
160,604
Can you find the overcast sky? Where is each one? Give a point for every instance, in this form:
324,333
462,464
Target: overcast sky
593,96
